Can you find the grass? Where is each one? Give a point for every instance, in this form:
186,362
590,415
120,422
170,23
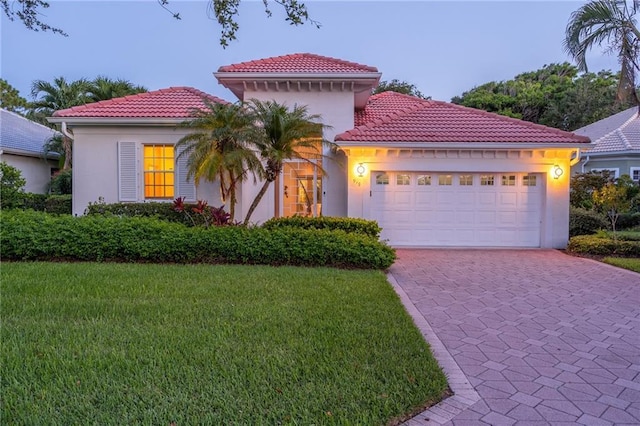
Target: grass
630,263
88,343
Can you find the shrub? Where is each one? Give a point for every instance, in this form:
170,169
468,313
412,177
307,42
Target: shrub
58,204
39,236
11,186
585,222
30,200
599,246
346,224
61,183
628,220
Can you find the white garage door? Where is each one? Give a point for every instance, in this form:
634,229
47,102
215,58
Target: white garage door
458,209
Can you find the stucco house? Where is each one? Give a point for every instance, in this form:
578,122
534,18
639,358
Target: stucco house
431,173
616,147
21,146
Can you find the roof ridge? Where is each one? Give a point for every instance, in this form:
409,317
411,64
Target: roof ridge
625,124
228,68
513,120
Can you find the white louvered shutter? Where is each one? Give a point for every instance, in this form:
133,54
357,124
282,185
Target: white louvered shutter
184,186
127,171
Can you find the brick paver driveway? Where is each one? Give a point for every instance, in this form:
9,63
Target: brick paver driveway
526,336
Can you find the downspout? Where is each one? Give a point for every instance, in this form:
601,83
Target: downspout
576,160
585,163
64,130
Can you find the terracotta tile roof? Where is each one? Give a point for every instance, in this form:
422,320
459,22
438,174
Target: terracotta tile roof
394,117
620,132
174,102
299,63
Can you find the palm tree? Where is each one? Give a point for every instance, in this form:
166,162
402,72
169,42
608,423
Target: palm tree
53,97
217,150
612,23
103,88
285,135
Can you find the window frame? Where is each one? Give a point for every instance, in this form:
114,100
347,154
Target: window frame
163,171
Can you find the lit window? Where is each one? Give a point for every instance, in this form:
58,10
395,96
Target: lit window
508,180
445,179
466,180
486,180
158,171
529,180
424,180
382,179
403,179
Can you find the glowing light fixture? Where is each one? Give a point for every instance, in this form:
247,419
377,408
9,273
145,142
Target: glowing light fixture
557,171
360,169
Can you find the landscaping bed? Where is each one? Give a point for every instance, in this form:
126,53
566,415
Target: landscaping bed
96,343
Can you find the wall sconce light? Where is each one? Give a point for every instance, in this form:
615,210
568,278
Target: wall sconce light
361,169
557,171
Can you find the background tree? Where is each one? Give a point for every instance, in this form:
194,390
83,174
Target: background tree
222,11
217,150
103,88
583,185
556,95
610,23
400,87
285,135
10,98
51,97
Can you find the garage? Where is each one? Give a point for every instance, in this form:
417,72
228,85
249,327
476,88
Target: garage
458,209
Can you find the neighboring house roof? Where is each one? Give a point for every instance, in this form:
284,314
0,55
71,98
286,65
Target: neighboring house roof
20,135
174,102
616,134
305,63
395,118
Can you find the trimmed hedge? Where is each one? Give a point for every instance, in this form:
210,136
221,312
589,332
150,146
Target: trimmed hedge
154,209
595,245
27,235
346,224
55,204
585,222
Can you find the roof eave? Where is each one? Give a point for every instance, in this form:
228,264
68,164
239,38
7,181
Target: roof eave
34,154
120,121
460,145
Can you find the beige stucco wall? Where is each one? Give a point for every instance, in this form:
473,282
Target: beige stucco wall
95,162
555,209
35,170
336,109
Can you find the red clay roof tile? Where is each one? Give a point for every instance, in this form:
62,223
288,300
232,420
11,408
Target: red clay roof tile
174,102
394,117
299,63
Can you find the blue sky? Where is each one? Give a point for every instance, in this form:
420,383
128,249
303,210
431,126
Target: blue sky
443,47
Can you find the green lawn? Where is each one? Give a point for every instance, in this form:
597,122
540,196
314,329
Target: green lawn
88,343
630,263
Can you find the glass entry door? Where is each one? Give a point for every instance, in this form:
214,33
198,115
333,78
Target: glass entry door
301,189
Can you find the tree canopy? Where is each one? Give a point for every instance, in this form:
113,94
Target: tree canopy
224,12
610,24
10,98
556,95
400,87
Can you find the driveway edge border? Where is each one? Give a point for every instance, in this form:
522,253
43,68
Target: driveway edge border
464,395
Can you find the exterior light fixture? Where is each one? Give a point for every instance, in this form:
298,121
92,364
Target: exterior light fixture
557,171
360,169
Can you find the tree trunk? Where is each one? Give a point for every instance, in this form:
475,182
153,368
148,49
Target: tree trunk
256,201
66,146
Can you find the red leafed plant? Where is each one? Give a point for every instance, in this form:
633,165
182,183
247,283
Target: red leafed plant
202,214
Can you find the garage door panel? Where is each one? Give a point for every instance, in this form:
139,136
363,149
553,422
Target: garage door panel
457,214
